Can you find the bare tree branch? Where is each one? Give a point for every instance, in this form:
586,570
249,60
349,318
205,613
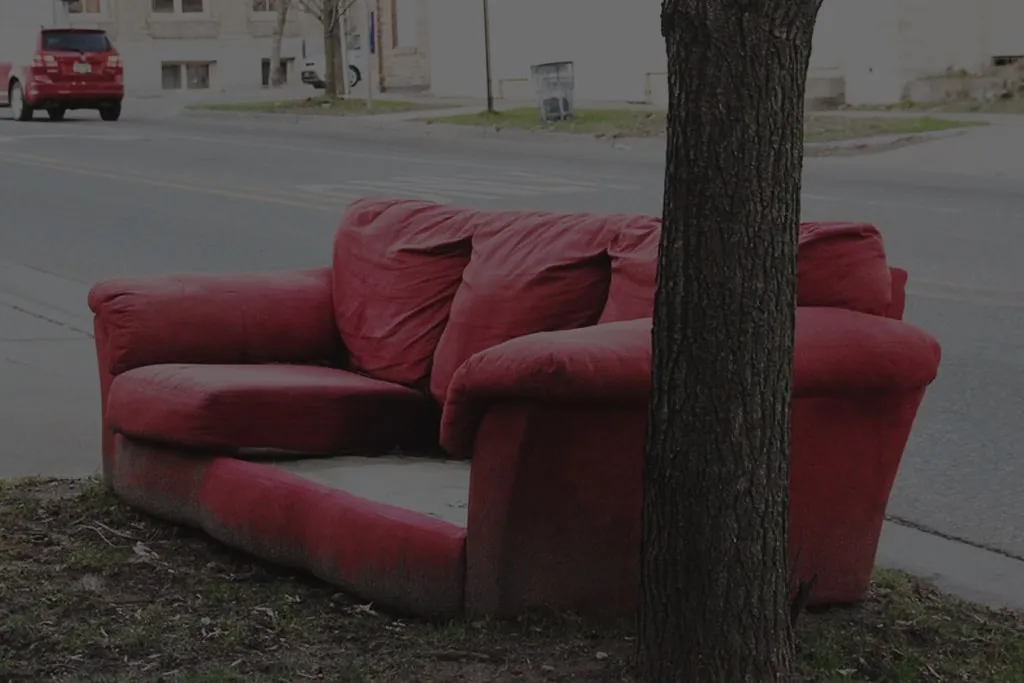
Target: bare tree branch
328,12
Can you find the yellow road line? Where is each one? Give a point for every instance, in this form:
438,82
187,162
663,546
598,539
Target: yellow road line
248,194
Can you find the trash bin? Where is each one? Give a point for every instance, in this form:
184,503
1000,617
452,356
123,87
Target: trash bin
554,83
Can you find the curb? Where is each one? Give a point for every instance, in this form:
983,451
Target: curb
878,143
967,571
371,128
406,125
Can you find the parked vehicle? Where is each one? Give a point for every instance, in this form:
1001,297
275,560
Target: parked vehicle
70,68
312,74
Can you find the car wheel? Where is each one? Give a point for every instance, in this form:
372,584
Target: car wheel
110,112
56,113
21,110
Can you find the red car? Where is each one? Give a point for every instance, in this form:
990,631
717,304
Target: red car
70,69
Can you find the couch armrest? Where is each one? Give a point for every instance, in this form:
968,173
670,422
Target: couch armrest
846,351
837,351
608,363
274,317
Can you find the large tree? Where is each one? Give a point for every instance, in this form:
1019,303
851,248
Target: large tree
331,15
277,67
714,602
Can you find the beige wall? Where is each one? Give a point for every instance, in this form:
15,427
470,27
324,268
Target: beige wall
876,46
229,33
397,66
133,20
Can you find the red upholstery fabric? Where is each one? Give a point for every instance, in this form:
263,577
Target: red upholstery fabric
555,424
554,507
843,265
898,301
397,265
838,264
492,310
406,561
272,317
529,273
289,407
837,351
556,491
634,255
611,361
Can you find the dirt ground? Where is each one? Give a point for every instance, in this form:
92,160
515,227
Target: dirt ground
92,591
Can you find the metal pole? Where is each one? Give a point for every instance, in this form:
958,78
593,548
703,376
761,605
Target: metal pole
365,46
487,56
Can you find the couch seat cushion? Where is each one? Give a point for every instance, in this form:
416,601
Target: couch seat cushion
306,409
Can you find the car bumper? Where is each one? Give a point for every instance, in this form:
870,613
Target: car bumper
311,78
71,96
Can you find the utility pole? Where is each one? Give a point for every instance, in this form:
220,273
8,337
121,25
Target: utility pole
487,57
366,47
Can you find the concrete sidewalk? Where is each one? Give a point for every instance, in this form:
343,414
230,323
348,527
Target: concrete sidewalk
50,384
995,151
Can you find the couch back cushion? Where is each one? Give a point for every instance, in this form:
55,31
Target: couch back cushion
634,260
530,272
397,266
841,265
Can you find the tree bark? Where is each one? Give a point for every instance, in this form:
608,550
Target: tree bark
330,22
714,587
276,66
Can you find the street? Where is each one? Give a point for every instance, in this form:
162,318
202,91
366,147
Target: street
87,200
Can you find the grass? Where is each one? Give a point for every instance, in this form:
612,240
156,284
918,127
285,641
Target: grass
90,590
833,128
319,106
637,123
1013,105
646,123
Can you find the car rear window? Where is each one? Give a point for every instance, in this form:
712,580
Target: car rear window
76,41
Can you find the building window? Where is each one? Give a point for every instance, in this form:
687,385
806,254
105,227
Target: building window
170,76
185,75
285,67
1006,60
84,6
403,23
264,5
178,6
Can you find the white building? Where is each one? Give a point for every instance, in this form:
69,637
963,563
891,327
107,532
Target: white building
872,48
176,45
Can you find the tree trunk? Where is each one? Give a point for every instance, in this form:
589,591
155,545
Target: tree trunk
714,587
330,8
332,17
276,66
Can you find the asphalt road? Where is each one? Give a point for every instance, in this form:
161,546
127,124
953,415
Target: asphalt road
86,200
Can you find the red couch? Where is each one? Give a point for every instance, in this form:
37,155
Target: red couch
517,340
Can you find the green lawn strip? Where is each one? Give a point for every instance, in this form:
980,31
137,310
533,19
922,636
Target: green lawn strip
834,128
1010,105
319,106
651,123
91,590
600,122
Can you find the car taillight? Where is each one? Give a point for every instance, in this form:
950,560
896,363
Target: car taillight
114,61
44,61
